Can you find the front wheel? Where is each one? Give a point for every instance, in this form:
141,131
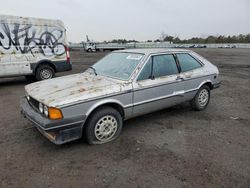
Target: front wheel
103,126
201,99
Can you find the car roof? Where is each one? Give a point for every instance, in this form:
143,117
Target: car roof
148,51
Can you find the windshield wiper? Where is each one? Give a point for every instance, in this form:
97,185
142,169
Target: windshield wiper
94,70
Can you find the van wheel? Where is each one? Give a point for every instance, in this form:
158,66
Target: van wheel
103,126
201,99
44,72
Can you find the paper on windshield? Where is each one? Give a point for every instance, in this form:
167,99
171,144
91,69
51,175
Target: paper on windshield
134,57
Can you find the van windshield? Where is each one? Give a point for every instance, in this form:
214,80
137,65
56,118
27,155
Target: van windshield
118,65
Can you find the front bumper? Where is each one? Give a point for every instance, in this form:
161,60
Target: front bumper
216,85
57,131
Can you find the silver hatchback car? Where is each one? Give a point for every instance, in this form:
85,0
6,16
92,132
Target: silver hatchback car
122,85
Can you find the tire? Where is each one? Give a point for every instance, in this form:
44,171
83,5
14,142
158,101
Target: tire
44,72
96,131
201,99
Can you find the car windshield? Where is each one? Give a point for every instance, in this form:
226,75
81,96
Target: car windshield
118,65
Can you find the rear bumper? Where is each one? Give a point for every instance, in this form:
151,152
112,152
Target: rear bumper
62,66
57,131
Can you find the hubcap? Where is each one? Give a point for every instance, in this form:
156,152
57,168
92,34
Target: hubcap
203,97
106,128
45,74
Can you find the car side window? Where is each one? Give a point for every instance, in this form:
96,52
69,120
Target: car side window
164,65
187,62
146,71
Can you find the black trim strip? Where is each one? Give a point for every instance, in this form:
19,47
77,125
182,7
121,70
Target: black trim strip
155,100
163,98
152,69
177,63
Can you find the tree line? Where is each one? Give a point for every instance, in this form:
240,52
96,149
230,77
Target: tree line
211,39
196,40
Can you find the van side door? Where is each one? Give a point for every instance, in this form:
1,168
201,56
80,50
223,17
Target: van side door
15,59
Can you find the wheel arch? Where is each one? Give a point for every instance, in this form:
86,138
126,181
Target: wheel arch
107,103
208,83
42,62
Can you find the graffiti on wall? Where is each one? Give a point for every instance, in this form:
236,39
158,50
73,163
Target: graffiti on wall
30,39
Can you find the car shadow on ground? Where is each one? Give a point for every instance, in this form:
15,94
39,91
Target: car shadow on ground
128,126
173,111
14,81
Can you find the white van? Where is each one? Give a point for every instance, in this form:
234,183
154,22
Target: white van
33,47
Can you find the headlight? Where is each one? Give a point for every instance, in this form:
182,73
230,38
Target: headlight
46,111
41,107
28,97
51,112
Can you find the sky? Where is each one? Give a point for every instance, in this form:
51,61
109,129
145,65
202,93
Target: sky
138,19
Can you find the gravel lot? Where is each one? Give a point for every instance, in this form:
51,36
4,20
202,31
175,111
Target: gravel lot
175,147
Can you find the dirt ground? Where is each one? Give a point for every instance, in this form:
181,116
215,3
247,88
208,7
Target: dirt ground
176,147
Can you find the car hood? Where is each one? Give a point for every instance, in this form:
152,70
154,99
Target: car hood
70,89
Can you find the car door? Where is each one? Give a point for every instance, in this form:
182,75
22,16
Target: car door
191,73
158,85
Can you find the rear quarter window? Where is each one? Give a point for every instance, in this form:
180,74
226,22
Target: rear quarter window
187,62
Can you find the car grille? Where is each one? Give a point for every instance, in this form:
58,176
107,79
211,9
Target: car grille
34,103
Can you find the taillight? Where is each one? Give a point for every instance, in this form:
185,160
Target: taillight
67,54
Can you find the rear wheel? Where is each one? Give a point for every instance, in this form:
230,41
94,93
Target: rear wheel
44,72
201,99
103,126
